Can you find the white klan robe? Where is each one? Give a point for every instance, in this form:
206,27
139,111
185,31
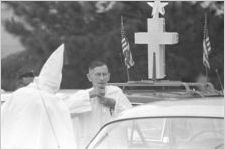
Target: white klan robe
34,118
89,115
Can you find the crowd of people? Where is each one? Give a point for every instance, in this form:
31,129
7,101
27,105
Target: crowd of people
35,117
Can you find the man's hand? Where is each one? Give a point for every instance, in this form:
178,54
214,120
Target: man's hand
97,92
108,102
100,93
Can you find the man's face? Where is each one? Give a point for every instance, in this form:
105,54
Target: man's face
27,80
99,76
24,81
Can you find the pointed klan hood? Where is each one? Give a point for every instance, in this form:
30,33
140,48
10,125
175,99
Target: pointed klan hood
50,75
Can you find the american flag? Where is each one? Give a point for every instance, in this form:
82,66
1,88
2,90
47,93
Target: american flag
128,60
206,46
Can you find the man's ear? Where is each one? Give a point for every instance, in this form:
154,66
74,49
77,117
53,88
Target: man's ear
89,77
108,77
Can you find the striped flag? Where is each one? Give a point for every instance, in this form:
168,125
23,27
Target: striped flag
128,60
206,46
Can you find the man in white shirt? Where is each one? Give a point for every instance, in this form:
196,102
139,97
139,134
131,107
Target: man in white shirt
91,108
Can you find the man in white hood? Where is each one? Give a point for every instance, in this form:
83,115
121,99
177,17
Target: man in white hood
34,117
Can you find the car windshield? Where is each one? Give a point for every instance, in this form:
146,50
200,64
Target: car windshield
162,133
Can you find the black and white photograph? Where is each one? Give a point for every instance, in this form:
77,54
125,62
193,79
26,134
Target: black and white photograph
112,75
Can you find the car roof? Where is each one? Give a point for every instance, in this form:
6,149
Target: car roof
199,107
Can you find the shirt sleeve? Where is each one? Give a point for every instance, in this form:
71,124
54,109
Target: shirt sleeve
79,102
122,103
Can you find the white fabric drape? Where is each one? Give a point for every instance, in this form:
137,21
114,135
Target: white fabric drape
34,118
25,123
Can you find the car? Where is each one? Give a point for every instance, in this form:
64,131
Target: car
168,110
141,92
191,123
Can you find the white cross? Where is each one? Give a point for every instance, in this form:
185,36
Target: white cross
156,39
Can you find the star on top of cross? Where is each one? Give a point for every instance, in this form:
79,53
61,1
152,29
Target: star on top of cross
158,7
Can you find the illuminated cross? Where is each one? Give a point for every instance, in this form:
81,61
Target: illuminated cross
156,39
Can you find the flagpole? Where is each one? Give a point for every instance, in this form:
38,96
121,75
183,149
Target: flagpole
206,48
206,70
128,62
128,75
127,71
216,70
206,73
125,68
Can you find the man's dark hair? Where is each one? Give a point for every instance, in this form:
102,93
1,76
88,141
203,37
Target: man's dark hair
96,63
26,74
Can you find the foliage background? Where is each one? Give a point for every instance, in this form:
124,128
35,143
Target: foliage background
89,34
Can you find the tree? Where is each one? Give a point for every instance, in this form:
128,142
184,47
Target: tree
90,34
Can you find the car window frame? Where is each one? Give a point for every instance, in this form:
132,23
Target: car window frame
134,118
